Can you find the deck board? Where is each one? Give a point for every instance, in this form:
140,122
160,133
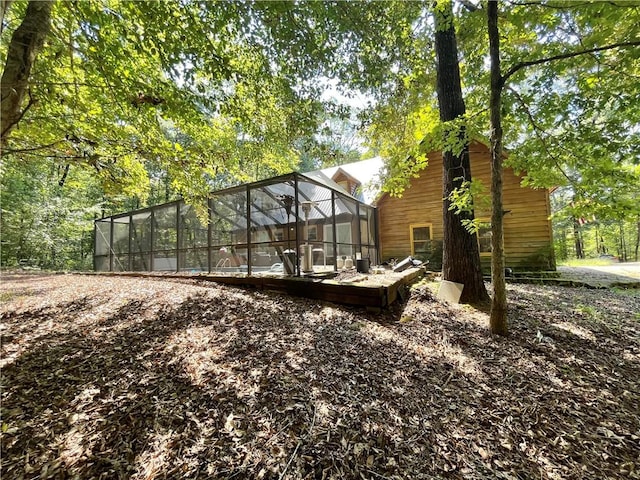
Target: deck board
376,291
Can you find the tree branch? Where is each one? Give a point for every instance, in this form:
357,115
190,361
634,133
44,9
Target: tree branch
539,131
567,6
539,4
7,151
519,66
469,5
14,121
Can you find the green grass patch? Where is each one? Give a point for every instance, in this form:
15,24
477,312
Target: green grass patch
586,262
7,296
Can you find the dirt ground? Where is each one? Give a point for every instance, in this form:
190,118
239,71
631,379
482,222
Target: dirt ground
107,377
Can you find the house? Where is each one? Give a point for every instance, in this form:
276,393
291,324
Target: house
313,222
412,224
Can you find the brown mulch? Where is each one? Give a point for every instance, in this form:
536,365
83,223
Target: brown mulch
106,377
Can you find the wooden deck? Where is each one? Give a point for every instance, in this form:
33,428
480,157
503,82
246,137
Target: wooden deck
374,291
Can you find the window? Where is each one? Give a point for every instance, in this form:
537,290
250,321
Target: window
311,234
260,235
484,236
343,236
420,239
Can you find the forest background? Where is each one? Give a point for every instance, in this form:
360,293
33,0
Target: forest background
130,104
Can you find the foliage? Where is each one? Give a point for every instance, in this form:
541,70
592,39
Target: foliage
471,195
209,101
43,223
152,100
574,122
218,103
569,121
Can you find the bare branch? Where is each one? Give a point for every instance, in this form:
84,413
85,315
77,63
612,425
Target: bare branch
568,6
519,66
470,5
7,151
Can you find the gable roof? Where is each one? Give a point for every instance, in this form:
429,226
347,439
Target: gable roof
363,172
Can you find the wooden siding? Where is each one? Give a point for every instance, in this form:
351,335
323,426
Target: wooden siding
527,226
342,178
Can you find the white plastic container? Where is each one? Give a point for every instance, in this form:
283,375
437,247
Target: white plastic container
348,263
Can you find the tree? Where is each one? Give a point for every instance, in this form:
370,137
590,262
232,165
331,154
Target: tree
461,257
498,321
143,101
26,42
405,125
46,222
216,101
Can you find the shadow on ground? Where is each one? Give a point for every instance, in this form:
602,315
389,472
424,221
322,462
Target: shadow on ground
151,379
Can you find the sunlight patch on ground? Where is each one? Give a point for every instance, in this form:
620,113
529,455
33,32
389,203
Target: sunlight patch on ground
575,330
152,461
443,349
295,360
77,444
323,409
195,350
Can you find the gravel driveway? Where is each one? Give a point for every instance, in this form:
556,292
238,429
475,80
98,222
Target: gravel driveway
606,275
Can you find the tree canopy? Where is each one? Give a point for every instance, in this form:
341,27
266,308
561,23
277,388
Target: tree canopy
198,88
164,98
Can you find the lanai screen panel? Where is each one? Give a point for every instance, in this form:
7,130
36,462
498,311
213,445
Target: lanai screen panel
193,238
102,251
165,238
368,233
347,233
141,241
273,231
228,230
120,244
317,224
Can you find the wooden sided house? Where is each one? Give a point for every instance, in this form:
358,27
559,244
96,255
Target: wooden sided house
313,222
412,224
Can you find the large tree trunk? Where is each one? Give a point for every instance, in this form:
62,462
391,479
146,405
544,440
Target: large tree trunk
460,257
498,319
25,44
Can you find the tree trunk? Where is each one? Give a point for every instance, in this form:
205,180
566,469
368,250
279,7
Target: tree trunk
460,257
23,49
4,8
623,244
577,238
498,319
637,236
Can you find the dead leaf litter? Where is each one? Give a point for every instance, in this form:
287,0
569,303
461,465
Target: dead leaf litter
107,377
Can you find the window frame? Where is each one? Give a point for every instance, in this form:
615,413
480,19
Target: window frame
484,221
311,233
411,236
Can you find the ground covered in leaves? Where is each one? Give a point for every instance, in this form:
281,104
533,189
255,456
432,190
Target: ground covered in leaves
106,377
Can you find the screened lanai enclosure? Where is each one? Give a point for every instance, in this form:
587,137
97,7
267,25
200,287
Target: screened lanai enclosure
294,224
